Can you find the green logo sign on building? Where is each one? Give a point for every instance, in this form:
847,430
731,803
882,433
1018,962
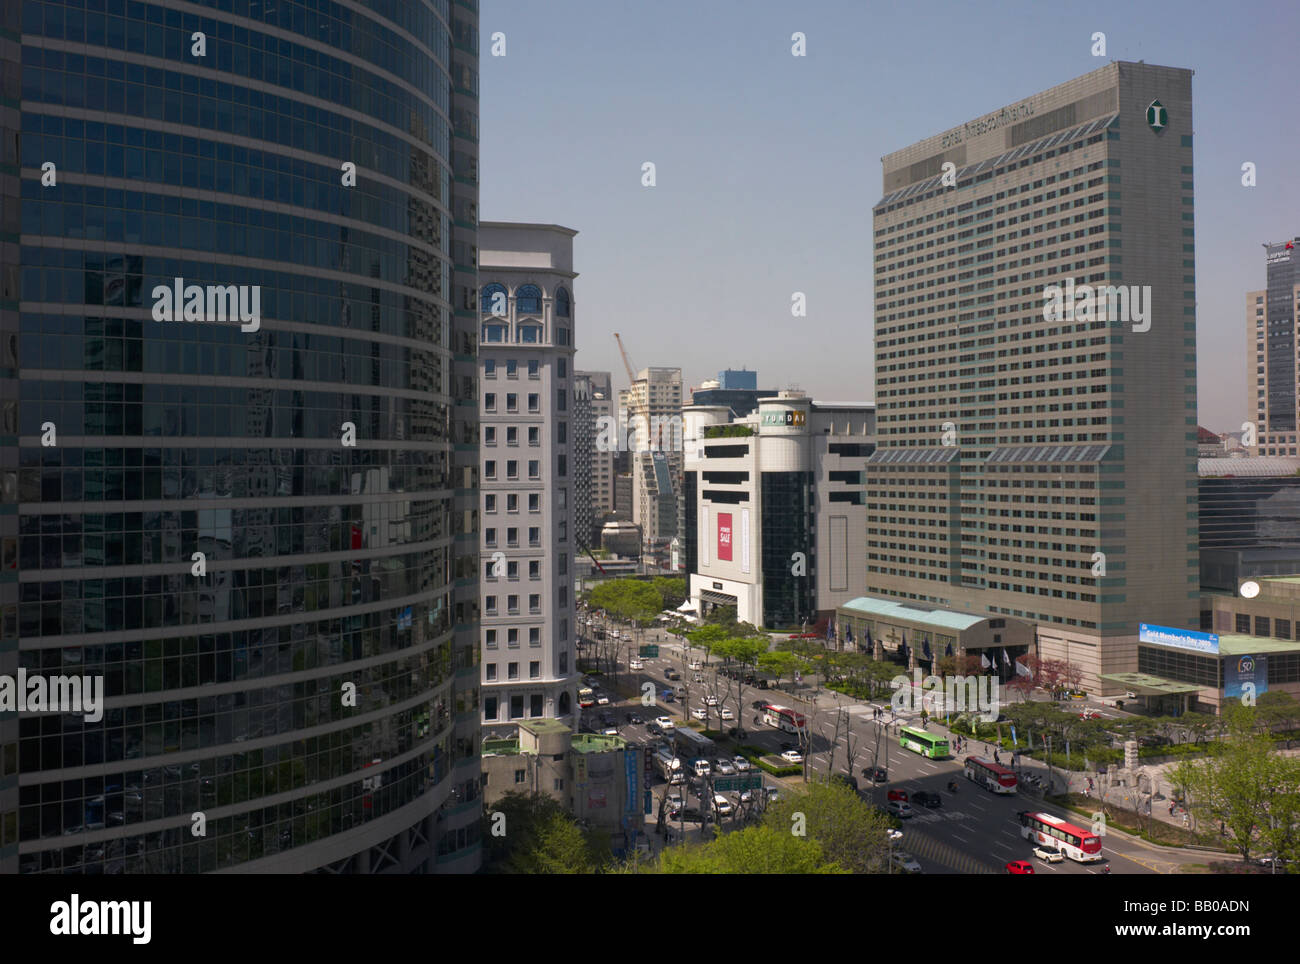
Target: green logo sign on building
1157,116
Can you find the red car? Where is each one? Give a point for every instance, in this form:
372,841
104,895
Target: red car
1090,715
1020,867
898,795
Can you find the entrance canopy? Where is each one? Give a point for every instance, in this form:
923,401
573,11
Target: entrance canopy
1143,684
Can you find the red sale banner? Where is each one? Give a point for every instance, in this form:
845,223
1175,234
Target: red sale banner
724,536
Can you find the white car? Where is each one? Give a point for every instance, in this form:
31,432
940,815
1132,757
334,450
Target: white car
696,664
674,800
1049,855
905,862
602,701
609,731
727,714
635,664
724,767
722,805
700,713
792,756
701,768
894,834
741,764
665,723
711,701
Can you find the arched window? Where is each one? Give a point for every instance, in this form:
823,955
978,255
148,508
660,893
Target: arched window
530,334
564,704
528,300
562,303
494,292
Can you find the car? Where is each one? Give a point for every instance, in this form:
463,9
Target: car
740,763
711,700
724,767
635,664
905,862
722,805
927,798
697,678
696,664
654,729
686,815
900,808
1090,715
846,780
609,731
701,768
675,800
665,723
746,796
773,794
792,756
900,795
1048,855
1019,867
758,704
877,775
633,718
894,834
602,700
672,674
700,713
1267,860
726,714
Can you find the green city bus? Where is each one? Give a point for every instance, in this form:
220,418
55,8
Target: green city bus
926,744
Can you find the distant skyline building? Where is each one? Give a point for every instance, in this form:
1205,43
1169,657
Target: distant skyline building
529,475
583,433
1272,339
604,411
322,461
1037,459
653,407
738,390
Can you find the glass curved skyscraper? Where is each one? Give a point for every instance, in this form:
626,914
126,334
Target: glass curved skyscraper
256,522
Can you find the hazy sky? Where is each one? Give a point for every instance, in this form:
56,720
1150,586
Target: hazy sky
768,165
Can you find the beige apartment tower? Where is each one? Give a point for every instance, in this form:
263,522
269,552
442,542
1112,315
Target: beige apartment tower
1037,456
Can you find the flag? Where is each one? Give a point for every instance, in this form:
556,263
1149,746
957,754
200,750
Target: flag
984,661
1014,741
1022,669
925,647
1006,660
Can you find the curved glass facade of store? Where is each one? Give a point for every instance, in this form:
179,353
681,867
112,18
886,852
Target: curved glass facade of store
329,566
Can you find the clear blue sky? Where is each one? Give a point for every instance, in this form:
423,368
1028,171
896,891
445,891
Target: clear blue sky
768,164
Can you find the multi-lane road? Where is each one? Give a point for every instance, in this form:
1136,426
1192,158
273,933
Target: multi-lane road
972,831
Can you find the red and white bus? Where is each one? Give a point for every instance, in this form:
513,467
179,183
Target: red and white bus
1076,843
996,778
784,718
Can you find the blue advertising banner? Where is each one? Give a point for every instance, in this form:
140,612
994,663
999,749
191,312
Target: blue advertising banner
1238,671
1178,638
630,761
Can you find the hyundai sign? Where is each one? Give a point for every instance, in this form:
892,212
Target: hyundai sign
1179,638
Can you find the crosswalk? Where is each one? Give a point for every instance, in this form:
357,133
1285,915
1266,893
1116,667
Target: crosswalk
929,848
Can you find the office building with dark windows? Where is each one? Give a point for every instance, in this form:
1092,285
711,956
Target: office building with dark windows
257,522
775,511
1272,337
1037,457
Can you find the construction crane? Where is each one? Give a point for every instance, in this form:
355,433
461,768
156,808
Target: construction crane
627,362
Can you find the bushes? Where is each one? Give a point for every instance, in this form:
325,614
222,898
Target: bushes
755,754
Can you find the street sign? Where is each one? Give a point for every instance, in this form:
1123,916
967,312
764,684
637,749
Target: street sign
649,650
748,781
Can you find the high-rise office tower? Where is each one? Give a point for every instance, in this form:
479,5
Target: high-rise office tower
583,431
247,517
1034,460
604,414
529,476
654,419
1272,336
